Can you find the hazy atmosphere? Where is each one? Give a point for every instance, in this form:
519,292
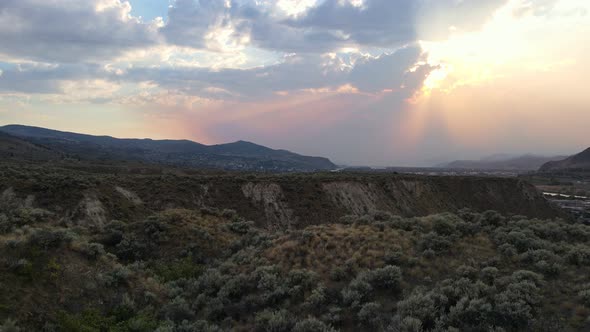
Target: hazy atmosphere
402,82
294,165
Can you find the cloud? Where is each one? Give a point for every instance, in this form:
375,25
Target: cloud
70,31
391,23
319,26
390,71
42,78
204,24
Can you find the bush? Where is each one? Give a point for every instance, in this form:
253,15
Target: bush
442,225
394,257
489,274
240,227
312,324
579,255
229,214
9,325
337,274
388,277
333,315
434,241
411,324
584,296
46,239
198,326
178,310
471,313
408,324
418,305
492,218
274,321
91,250
370,314
131,248
357,292
317,299
516,305
23,267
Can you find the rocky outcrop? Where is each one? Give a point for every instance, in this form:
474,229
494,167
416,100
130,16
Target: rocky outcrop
270,198
129,195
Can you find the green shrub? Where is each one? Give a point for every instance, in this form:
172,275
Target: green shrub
408,324
240,227
489,274
183,268
92,250
317,299
357,292
9,325
90,320
394,257
337,274
370,314
584,296
492,218
23,268
579,255
46,239
516,306
312,324
333,315
435,242
388,277
475,313
411,324
418,305
274,321
178,310
443,225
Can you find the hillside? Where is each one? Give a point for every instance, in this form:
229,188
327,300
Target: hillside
97,249
233,156
580,161
273,201
518,163
14,148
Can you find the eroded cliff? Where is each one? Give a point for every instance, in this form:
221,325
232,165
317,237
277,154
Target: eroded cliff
273,201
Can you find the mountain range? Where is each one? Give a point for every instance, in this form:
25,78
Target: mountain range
580,161
34,143
528,162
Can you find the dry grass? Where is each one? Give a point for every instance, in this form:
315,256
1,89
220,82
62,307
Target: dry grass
321,248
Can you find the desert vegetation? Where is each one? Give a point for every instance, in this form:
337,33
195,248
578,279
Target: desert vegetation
212,270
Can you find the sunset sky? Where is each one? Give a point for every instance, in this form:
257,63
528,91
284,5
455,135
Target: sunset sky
371,82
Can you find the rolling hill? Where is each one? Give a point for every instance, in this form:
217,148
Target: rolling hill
581,161
239,155
14,148
527,162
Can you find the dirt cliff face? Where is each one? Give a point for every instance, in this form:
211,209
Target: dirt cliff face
273,201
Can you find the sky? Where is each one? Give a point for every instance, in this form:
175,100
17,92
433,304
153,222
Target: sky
363,82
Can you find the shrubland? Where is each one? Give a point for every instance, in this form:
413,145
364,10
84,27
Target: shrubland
212,270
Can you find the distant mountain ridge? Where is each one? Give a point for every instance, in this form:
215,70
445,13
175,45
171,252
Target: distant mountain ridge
240,155
12,147
528,162
580,161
